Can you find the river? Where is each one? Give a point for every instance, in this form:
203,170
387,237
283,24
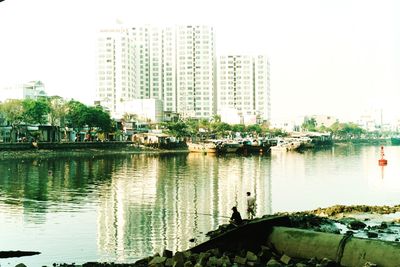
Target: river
125,207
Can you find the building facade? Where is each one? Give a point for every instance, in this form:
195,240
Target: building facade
243,89
28,90
177,65
145,110
196,79
116,71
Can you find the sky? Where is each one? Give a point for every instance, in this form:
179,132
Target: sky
328,57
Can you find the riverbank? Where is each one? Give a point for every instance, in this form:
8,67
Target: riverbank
81,150
259,242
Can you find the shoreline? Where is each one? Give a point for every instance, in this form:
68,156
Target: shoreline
365,223
83,152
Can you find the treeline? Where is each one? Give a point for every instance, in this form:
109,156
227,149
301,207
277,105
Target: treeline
345,131
58,113
214,128
55,112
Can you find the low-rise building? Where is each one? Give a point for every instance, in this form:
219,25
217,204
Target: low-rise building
28,90
145,110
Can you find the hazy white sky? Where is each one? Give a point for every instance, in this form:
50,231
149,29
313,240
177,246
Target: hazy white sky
330,57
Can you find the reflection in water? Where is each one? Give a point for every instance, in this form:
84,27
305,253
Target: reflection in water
126,207
161,202
144,203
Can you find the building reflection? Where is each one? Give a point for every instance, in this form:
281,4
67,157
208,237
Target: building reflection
39,186
144,203
157,203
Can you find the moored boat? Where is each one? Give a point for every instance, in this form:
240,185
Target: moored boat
258,146
202,147
395,140
286,145
231,146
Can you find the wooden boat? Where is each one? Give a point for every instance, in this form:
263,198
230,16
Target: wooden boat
230,147
202,147
258,146
286,145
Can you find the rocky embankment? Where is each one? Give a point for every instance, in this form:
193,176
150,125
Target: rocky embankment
369,222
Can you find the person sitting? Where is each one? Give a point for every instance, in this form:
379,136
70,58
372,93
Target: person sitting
236,219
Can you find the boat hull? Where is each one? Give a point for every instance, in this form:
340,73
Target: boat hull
202,148
395,141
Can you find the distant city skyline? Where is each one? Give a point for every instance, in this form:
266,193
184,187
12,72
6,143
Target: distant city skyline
178,66
338,58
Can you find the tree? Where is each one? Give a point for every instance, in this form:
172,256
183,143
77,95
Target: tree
205,125
13,111
35,111
74,117
79,115
192,127
57,114
216,118
278,132
255,128
240,128
221,128
96,117
178,129
309,124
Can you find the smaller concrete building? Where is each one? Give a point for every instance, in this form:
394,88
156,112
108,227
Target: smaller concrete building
146,110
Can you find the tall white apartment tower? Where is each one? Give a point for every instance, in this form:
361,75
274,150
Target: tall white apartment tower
148,61
175,65
243,87
262,87
195,70
116,80
169,94
129,67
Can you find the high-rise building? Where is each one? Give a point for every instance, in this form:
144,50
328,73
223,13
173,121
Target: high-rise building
243,89
177,65
129,67
116,76
169,70
195,67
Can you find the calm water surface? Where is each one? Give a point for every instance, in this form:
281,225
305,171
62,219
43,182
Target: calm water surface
123,208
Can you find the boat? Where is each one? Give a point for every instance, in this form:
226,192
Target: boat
230,146
286,144
259,146
203,147
395,140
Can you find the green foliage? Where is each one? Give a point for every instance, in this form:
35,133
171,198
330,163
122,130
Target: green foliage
75,111
205,125
221,128
255,128
12,111
35,111
346,130
309,124
96,117
178,129
278,132
80,115
193,127
58,110
241,128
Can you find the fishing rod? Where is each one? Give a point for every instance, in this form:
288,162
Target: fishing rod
195,213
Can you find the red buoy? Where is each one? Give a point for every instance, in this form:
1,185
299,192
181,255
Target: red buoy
382,161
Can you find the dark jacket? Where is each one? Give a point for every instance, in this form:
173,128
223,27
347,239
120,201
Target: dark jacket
236,218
